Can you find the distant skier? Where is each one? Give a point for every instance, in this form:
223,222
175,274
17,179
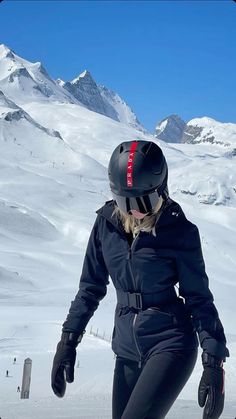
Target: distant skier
14,360
7,373
18,389
143,240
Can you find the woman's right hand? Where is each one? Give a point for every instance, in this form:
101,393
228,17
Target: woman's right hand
63,368
64,362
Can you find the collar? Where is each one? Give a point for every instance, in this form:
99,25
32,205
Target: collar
169,213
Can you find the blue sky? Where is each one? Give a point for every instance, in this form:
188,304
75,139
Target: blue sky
162,57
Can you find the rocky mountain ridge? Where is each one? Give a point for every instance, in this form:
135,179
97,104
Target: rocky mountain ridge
204,130
22,82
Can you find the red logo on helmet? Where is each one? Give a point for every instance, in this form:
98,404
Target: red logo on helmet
131,164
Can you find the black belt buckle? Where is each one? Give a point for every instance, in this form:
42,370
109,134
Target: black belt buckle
135,300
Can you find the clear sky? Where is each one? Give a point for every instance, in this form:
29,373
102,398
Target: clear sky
162,57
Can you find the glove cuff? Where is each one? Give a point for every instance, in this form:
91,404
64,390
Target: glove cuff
211,361
71,338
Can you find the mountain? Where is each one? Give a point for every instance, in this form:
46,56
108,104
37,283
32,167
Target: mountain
54,156
100,99
14,120
199,130
123,111
23,82
208,131
85,89
170,129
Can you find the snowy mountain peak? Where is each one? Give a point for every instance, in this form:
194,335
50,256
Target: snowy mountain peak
198,130
39,66
170,129
21,80
85,74
5,52
86,91
204,121
209,131
60,82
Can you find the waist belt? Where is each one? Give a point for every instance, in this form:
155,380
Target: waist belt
142,301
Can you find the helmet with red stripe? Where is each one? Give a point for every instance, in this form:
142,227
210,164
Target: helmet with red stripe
138,175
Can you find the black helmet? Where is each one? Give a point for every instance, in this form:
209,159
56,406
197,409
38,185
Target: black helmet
138,175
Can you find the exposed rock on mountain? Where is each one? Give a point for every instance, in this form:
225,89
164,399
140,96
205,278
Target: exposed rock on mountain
170,129
199,130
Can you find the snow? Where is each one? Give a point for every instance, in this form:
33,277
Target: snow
205,121
125,114
24,81
162,125
4,50
50,186
203,130
85,73
222,134
60,82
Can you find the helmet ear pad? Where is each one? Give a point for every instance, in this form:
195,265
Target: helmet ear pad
163,190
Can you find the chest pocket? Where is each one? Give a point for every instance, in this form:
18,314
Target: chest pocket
153,271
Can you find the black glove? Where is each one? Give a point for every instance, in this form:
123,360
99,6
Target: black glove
211,392
64,362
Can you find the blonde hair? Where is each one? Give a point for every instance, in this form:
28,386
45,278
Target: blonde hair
133,225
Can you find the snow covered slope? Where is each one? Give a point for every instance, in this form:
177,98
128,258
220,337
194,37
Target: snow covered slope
53,176
208,131
23,81
100,99
85,89
125,114
216,185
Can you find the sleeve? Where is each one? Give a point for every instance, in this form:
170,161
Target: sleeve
194,288
92,286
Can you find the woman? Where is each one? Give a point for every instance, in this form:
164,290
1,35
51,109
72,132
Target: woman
143,240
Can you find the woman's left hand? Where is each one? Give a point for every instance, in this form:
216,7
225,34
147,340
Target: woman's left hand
211,391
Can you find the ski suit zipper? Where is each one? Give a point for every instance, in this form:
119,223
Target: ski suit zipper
136,343
135,286
130,259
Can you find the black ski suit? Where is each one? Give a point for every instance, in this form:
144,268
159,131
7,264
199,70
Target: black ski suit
150,320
